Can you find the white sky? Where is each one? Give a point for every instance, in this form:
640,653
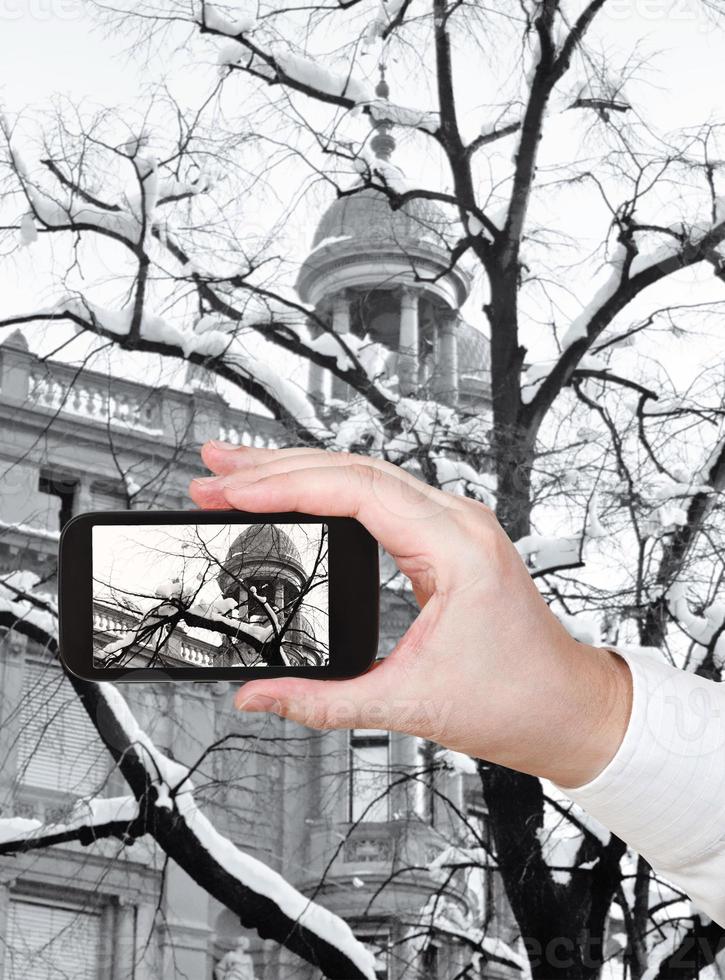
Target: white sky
142,558
51,47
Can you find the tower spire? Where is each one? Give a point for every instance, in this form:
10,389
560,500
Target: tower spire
383,142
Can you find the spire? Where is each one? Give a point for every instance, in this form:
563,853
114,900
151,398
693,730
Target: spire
383,142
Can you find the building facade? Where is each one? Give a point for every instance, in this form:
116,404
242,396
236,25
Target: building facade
362,820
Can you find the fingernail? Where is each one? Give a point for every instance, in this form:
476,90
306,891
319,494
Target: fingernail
206,480
218,444
257,702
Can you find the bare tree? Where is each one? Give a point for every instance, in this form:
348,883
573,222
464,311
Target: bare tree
602,458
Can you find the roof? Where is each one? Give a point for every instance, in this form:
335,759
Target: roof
474,352
366,216
264,541
255,545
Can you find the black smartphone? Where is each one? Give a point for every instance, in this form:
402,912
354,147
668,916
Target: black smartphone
217,595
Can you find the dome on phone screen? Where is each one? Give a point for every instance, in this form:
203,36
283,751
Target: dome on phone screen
260,548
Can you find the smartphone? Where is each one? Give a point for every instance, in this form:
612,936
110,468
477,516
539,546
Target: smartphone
217,595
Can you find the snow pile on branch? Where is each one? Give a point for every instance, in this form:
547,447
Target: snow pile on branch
387,173
583,627
175,789
443,914
537,373
457,476
307,72
439,868
19,597
457,762
210,343
89,813
386,13
705,628
380,110
566,826
218,20
329,345
579,326
362,428
543,553
28,233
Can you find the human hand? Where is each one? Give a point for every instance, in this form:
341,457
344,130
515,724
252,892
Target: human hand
485,669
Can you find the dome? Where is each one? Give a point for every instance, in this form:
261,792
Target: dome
260,541
256,545
367,217
474,352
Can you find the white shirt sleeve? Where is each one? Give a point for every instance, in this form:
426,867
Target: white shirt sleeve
664,790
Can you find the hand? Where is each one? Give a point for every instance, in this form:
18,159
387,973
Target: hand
485,669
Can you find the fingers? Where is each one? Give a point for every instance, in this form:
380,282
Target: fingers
231,459
381,699
406,519
321,704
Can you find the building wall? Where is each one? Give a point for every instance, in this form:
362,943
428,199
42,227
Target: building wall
287,803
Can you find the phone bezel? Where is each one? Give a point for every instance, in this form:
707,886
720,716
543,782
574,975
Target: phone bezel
354,593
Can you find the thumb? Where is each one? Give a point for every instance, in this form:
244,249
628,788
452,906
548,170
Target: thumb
359,702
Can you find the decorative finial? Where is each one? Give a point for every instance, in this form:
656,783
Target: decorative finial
382,89
383,142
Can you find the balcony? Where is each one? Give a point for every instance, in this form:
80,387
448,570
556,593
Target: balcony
394,854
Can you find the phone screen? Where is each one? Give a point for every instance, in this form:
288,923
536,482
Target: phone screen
210,595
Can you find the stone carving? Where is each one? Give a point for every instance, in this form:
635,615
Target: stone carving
237,964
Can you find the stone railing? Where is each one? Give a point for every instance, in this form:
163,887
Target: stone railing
109,622
165,415
89,396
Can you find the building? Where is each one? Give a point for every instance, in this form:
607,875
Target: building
259,583
356,817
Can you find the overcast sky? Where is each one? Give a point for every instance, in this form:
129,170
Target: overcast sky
51,47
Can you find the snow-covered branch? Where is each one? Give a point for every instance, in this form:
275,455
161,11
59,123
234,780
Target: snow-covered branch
89,820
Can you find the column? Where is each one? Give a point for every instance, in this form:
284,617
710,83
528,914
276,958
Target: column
124,945
341,325
408,343
341,314
318,378
146,945
446,368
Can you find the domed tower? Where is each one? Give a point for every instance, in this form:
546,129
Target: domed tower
263,570
384,274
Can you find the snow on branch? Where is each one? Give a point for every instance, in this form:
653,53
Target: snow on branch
261,378
89,820
19,603
231,24
547,554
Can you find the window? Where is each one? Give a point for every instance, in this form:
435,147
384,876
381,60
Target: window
369,774
58,747
62,491
51,942
377,943
430,961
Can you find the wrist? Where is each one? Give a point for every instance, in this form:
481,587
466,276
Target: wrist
602,694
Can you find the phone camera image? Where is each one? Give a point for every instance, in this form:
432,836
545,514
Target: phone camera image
204,595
